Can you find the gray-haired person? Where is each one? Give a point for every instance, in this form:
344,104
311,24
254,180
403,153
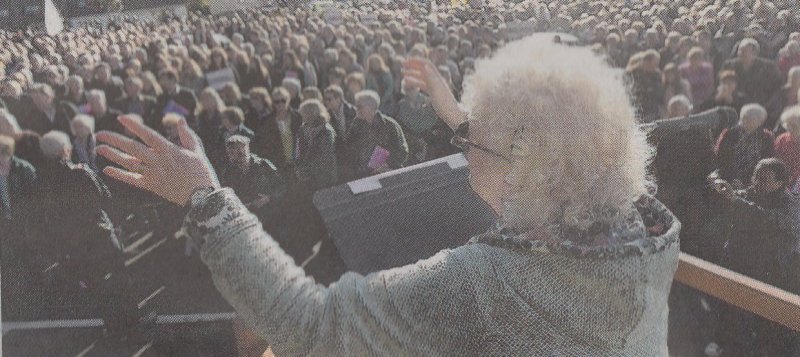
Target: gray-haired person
377,140
75,231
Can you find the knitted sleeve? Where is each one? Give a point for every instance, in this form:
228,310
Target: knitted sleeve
408,310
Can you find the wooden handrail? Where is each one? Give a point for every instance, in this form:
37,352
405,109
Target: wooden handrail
736,289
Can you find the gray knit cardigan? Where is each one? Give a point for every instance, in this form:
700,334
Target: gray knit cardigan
498,295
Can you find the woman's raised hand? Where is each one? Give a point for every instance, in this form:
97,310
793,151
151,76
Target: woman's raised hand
422,73
157,165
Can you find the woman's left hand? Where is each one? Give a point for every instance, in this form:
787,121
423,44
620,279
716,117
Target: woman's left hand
155,164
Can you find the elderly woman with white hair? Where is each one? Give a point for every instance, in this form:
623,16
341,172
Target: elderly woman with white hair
84,142
787,145
739,149
580,262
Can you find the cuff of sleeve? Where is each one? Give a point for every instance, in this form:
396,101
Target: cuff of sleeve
210,218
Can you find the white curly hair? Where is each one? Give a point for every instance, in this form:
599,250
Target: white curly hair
576,148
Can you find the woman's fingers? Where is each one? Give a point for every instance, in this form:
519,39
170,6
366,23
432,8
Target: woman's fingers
148,136
130,163
128,177
124,144
189,139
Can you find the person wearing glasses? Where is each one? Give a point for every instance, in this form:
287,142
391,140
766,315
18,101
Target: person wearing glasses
277,137
580,260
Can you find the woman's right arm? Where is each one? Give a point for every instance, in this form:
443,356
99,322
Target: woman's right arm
392,312
422,73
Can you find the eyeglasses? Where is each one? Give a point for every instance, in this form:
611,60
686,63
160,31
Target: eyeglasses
460,141
279,101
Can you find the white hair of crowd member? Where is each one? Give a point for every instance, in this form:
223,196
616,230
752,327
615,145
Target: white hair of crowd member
82,121
790,120
752,114
55,144
370,97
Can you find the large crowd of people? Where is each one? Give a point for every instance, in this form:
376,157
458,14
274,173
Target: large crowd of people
290,102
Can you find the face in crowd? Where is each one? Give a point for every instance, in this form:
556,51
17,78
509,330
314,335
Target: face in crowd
238,154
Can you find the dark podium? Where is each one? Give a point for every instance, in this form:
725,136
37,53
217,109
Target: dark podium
400,217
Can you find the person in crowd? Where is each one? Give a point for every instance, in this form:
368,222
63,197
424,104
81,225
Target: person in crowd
614,52
679,106
232,124
435,305
739,149
379,79
26,142
104,81
257,181
310,72
336,76
377,140
75,93
674,84
47,113
169,125
17,184
295,91
670,50
787,145
11,97
174,99
727,94
231,95
137,103
758,78
348,62
150,84
192,76
783,98
700,74
105,118
426,136
210,118
354,83
316,147
277,138
648,90
259,109
341,114
293,68
790,57
311,93
75,231
84,141
219,61
762,232
251,74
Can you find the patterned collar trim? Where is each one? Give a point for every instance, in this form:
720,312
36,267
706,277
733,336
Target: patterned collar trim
629,237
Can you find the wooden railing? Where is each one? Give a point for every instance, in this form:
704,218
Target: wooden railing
736,289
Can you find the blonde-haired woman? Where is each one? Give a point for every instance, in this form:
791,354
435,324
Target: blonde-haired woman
316,148
580,262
